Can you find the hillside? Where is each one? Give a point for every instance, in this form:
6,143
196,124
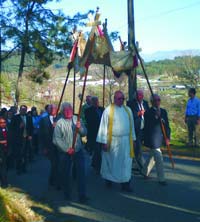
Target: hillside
161,55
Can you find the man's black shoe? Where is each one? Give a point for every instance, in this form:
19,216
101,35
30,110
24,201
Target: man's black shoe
67,197
108,184
163,183
126,187
83,199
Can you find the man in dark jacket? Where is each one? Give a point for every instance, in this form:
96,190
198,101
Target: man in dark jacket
46,129
138,107
93,118
21,131
153,137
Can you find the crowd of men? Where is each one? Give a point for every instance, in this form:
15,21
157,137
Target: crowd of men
114,138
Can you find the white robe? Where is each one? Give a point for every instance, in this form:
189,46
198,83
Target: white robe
117,163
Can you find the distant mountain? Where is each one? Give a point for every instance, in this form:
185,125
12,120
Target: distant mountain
161,55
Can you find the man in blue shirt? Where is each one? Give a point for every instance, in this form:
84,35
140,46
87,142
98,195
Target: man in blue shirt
192,116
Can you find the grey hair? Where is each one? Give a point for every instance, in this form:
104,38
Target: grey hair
153,96
65,105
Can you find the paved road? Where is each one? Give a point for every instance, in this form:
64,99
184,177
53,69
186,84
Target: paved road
177,202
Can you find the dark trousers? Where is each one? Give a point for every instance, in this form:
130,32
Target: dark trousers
54,164
22,152
3,170
65,172
138,148
35,144
96,158
191,124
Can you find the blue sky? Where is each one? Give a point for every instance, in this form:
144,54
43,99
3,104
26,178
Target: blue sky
159,24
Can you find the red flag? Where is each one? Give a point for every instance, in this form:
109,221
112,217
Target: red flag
73,52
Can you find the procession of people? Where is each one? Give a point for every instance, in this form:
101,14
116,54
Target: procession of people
115,137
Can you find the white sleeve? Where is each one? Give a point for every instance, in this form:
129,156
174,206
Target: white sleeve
103,128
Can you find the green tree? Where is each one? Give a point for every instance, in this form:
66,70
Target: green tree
32,29
189,69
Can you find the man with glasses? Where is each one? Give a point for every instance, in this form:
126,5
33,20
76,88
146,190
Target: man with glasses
153,138
116,134
138,107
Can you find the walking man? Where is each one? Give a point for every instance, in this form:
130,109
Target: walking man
93,117
22,131
117,133
63,139
138,107
153,138
47,125
192,116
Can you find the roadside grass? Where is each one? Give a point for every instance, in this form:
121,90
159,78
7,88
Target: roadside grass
16,206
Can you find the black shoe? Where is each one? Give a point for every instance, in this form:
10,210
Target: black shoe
108,184
4,185
58,187
83,199
51,183
67,197
162,183
126,187
19,172
24,170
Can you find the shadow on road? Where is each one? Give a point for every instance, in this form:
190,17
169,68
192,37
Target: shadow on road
179,200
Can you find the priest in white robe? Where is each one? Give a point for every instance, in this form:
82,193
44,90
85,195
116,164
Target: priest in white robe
117,135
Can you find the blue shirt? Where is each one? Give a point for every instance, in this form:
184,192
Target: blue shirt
193,107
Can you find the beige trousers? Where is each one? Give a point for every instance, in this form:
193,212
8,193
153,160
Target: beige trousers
155,158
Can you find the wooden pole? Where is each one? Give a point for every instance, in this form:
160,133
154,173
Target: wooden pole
152,94
63,91
132,83
74,91
79,111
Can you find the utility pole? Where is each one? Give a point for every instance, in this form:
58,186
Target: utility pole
132,82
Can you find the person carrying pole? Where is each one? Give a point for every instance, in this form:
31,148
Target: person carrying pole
153,138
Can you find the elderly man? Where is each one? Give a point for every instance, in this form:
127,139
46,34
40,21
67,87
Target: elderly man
93,117
46,128
22,131
85,106
117,134
138,107
153,138
63,139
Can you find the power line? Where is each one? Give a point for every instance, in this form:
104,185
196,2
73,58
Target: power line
169,11
161,14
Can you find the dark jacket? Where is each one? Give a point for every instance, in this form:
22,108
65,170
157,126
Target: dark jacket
46,132
93,119
16,131
3,148
133,104
153,136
